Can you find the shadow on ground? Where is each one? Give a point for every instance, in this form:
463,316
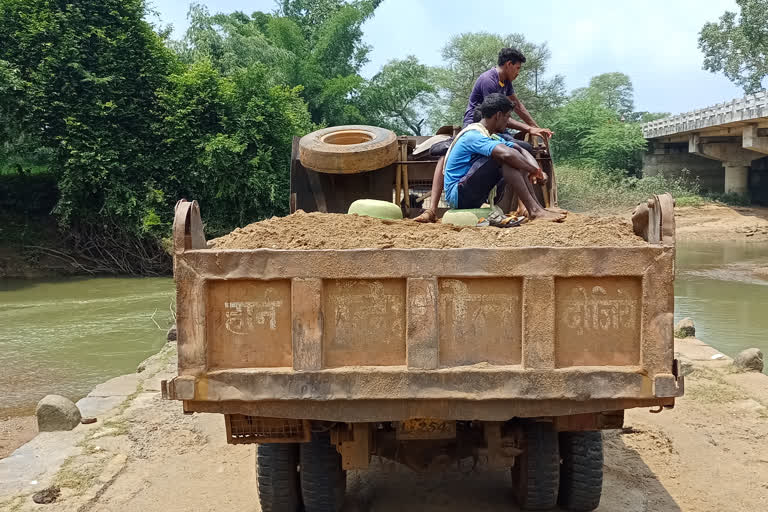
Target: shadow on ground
629,485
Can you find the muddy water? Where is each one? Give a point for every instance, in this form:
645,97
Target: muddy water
67,336
718,284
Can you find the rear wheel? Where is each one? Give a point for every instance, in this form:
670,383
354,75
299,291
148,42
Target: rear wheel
536,473
323,481
278,477
581,475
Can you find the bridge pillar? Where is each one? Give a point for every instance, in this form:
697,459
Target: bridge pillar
736,178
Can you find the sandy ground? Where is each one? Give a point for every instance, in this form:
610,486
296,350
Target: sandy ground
723,222
708,454
15,431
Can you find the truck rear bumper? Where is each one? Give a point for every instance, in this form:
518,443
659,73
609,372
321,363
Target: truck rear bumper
482,392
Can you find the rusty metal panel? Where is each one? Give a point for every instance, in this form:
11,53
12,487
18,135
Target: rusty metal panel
480,321
249,324
598,321
364,322
242,429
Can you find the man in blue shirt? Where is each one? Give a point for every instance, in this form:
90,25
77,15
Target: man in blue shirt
478,160
497,80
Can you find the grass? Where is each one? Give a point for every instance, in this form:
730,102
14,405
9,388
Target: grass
709,385
78,476
584,188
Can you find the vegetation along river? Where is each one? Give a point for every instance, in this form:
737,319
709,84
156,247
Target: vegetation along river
67,336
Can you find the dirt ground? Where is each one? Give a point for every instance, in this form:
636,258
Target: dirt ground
723,222
15,431
708,454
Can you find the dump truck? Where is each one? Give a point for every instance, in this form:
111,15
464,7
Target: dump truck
497,357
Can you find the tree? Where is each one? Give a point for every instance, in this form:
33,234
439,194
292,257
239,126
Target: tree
646,117
613,90
574,122
228,142
397,95
615,145
90,71
315,44
737,45
470,54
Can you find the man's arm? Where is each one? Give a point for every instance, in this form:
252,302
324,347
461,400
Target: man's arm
531,127
504,154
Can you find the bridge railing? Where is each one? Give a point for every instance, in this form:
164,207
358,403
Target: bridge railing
750,107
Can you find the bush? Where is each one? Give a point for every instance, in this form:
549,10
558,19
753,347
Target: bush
585,188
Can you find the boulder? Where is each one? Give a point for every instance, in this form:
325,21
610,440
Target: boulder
685,329
55,412
749,360
172,333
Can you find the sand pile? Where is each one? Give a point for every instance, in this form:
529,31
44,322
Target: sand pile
336,231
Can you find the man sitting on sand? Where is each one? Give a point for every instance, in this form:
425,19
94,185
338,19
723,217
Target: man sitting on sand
478,160
496,80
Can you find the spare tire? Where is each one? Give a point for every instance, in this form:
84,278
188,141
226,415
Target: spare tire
348,149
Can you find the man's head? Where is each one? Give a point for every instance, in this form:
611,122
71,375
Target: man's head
495,110
510,61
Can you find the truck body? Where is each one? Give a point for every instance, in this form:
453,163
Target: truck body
426,356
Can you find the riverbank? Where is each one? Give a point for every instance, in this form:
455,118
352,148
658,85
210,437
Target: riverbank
720,222
707,454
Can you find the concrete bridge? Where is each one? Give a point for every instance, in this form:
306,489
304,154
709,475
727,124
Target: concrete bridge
726,146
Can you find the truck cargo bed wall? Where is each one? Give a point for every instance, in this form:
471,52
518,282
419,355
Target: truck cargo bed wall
283,332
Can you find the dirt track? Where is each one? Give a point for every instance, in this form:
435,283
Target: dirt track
708,454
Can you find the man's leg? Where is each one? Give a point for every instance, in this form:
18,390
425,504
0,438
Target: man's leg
430,214
517,181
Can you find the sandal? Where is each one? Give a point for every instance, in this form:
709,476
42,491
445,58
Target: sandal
426,217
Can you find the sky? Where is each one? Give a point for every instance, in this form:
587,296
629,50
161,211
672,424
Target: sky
652,41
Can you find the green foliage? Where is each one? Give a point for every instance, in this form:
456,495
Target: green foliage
90,72
614,91
588,188
229,140
315,44
470,54
646,117
738,44
396,96
593,128
616,145
574,122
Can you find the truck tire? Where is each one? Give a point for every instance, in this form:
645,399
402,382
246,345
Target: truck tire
277,477
536,473
348,149
581,475
323,481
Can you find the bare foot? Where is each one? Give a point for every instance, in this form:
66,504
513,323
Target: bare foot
427,217
548,215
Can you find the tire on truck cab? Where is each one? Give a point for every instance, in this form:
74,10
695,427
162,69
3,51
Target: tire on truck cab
277,477
536,473
581,475
323,481
348,149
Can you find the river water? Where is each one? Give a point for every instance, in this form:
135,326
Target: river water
717,285
67,336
